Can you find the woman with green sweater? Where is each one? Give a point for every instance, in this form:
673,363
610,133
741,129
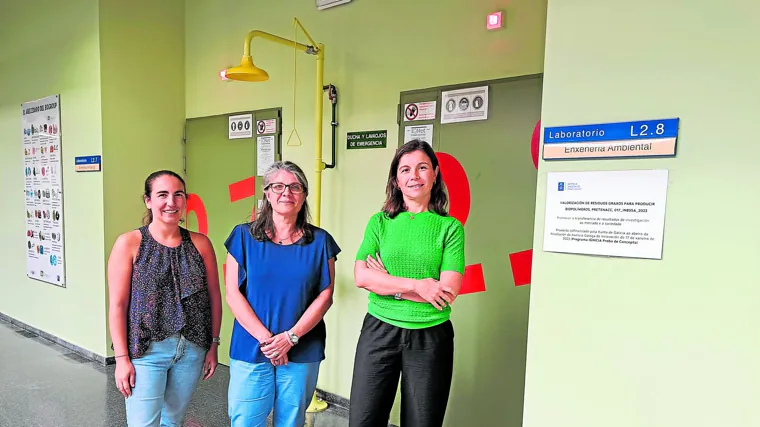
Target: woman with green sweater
412,263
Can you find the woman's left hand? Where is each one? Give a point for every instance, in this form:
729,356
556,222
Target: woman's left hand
211,362
277,346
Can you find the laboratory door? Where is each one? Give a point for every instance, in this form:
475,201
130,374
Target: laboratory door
488,169
222,158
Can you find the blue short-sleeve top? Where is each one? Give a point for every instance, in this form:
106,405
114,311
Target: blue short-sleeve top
280,282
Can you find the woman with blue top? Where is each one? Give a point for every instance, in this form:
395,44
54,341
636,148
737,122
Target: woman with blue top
279,282
412,262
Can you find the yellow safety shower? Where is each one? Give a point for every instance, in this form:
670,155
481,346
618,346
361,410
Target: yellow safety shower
248,72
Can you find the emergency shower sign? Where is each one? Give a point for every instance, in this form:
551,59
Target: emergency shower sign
366,139
240,126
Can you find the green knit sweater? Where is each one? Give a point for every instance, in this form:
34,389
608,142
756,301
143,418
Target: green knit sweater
417,246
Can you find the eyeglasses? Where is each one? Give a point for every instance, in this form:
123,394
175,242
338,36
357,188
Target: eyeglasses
279,187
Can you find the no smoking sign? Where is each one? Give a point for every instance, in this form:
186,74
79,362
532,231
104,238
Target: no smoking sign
266,126
417,111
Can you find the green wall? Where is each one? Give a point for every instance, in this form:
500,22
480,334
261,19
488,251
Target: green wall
623,342
143,96
371,63
52,48
122,96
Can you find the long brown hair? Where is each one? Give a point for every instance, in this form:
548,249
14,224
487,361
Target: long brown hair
263,226
148,217
394,199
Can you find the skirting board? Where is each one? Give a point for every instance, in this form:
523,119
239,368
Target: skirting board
76,349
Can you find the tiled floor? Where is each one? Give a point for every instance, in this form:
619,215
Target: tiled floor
45,385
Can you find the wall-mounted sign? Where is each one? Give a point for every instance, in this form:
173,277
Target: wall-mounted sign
613,213
421,132
240,126
417,111
366,139
265,153
43,190
651,138
268,126
87,164
464,105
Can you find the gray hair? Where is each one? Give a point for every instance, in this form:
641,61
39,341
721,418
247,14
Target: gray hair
263,226
286,166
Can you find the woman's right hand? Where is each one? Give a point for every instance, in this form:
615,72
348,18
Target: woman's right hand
433,292
125,376
280,361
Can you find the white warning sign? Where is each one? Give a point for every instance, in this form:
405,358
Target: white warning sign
464,105
419,111
266,126
241,126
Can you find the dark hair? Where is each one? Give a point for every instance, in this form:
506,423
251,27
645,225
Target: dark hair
263,226
394,199
148,217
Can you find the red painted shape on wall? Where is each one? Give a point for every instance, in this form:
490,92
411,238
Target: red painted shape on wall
534,143
522,263
458,185
243,189
473,281
459,201
195,204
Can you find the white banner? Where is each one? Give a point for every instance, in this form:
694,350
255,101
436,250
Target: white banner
43,189
613,213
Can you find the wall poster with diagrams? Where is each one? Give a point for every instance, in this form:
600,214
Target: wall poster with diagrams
43,190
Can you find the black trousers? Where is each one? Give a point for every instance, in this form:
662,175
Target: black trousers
425,360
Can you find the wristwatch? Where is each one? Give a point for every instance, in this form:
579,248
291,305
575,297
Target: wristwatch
293,337
397,296
215,340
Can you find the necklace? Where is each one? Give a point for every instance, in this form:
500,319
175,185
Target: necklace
290,237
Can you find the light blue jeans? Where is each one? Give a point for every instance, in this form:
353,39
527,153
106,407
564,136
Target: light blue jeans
165,379
256,389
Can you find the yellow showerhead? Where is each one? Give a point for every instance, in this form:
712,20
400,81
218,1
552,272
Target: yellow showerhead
246,72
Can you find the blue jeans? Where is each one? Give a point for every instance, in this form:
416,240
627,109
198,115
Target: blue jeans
165,379
258,388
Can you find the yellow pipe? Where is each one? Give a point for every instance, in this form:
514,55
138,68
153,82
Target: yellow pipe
271,37
319,165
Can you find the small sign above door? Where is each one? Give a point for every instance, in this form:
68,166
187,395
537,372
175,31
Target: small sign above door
268,126
416,111
240,126
464,105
